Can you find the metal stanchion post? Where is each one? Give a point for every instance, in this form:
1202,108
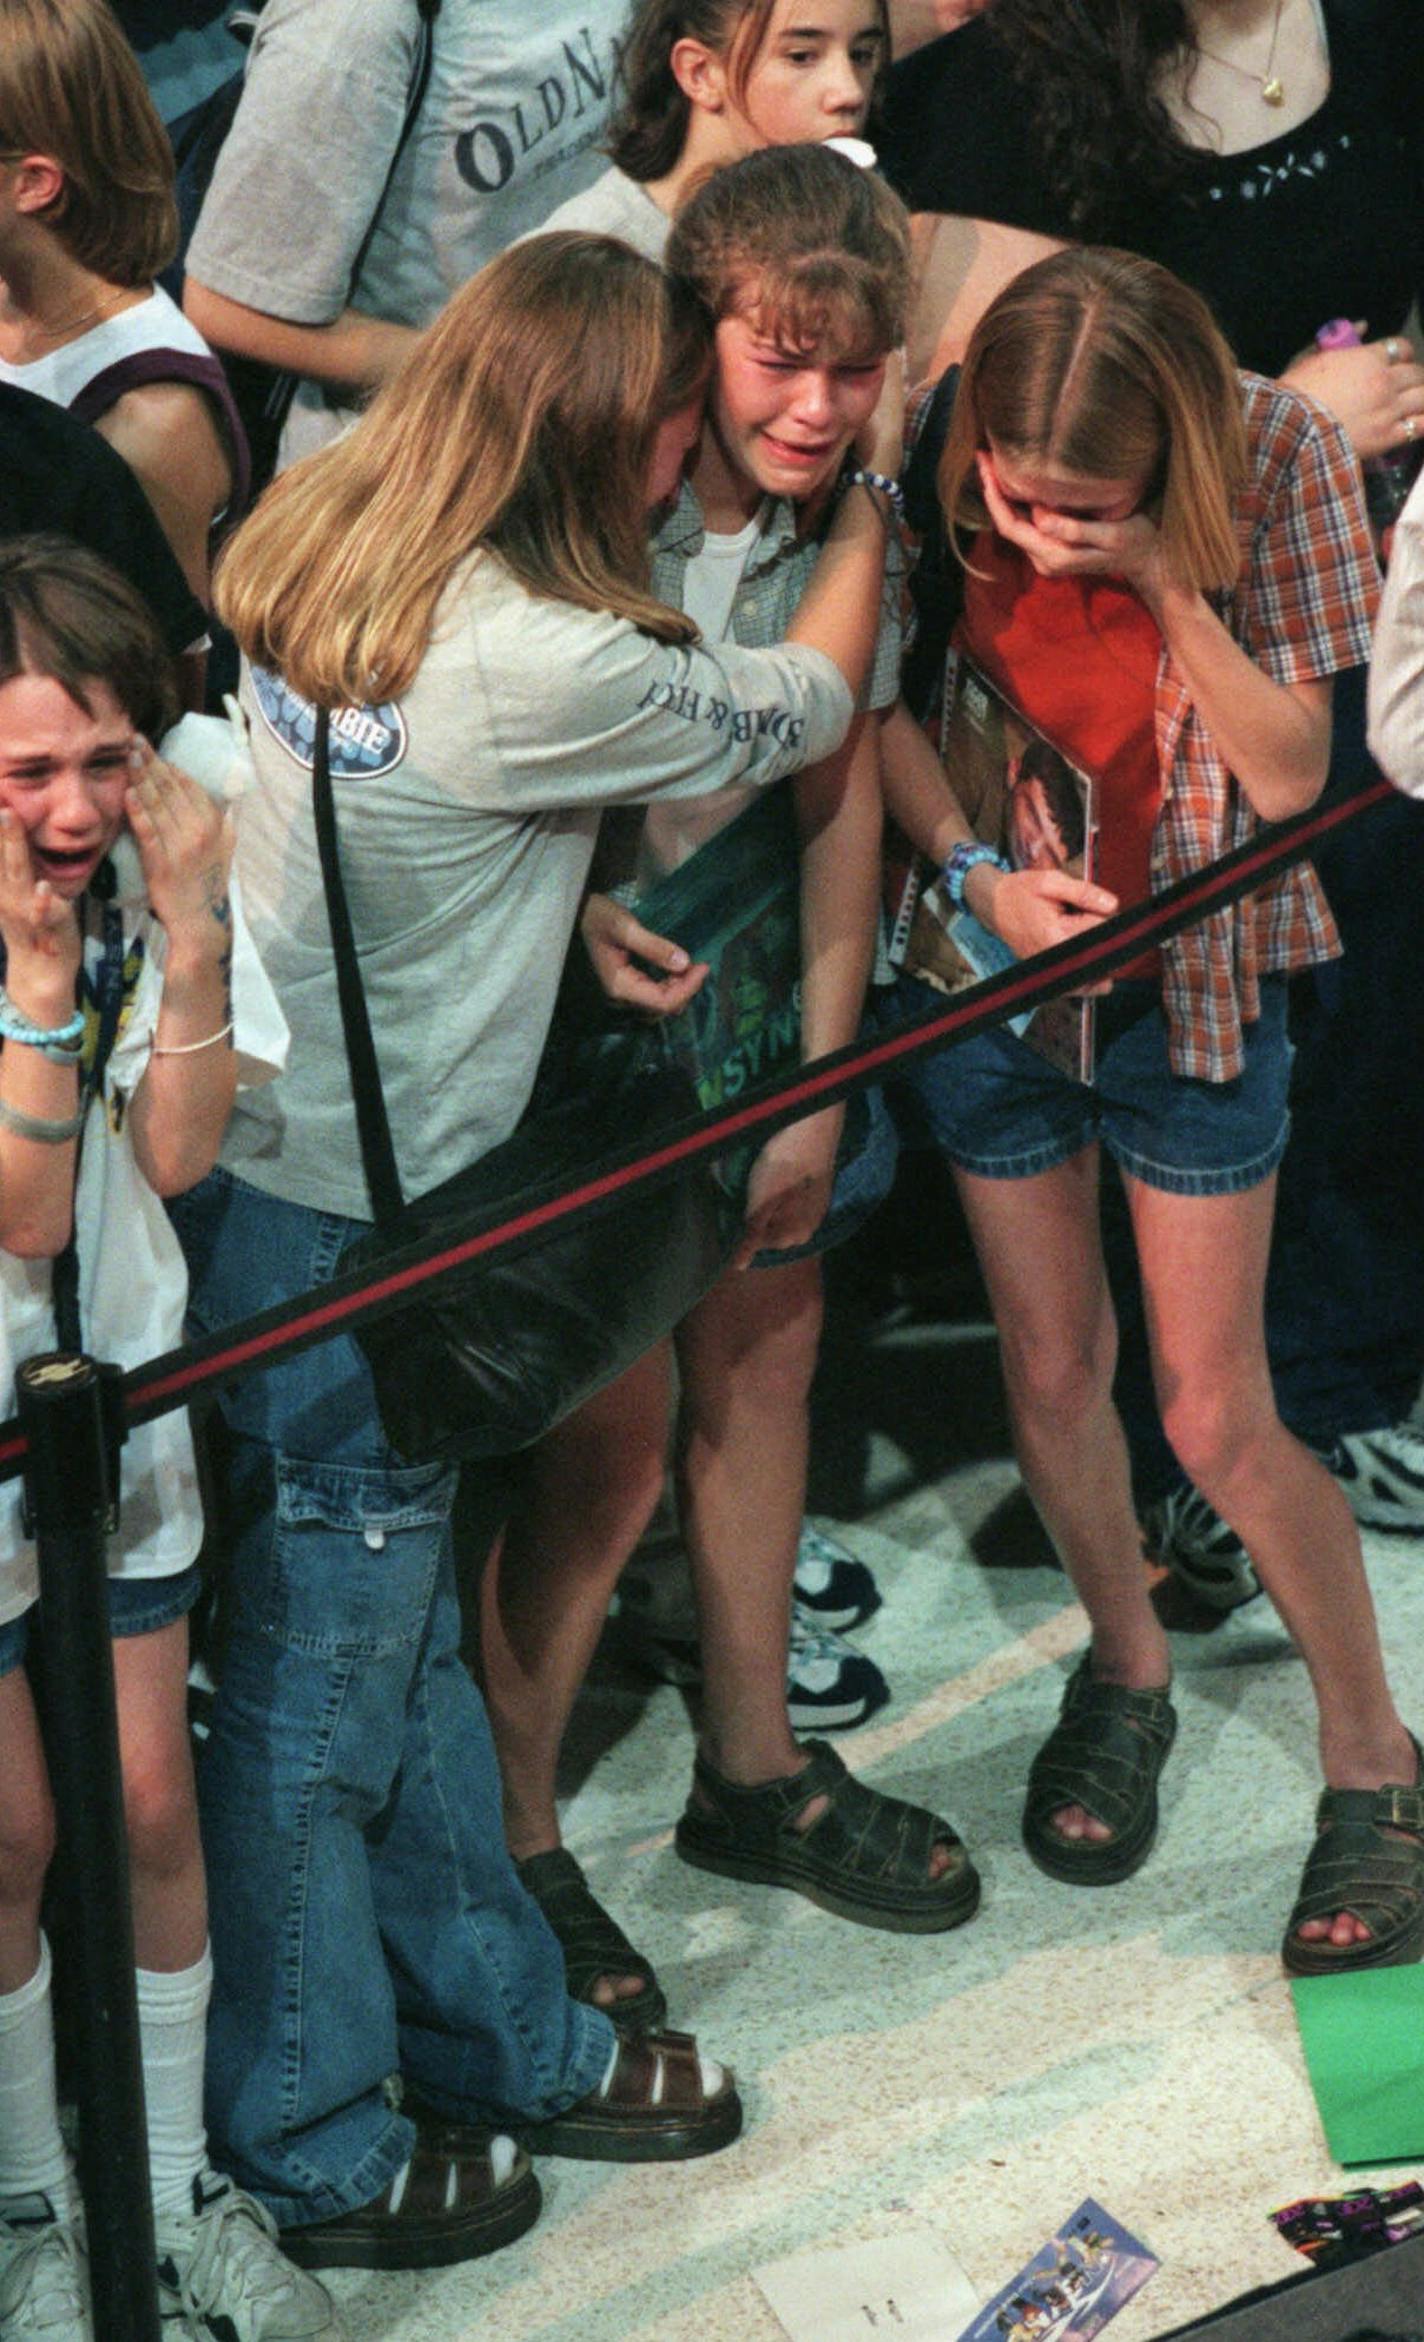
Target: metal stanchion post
68,1485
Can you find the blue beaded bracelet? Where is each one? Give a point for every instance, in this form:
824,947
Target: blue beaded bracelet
890,489
961,859
60,1043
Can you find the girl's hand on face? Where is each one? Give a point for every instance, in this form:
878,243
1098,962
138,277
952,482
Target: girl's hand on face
615,942
1031,910
40,931
1061,545
880,441
185,844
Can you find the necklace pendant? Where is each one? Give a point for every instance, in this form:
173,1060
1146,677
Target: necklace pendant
1273,90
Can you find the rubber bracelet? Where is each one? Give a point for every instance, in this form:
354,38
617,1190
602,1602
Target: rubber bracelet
963,858
890,489
186,1048
49,1134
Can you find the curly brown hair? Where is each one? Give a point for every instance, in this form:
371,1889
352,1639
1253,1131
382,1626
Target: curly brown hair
1089,72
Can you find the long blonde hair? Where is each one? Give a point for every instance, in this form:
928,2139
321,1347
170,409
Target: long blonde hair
1103,363
71,88
522,423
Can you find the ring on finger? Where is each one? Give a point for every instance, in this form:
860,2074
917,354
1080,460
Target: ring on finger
1394,349
1411,428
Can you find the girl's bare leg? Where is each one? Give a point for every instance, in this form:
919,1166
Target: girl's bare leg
747,1355
1203,1263
170,1906
1038,1245
26,1831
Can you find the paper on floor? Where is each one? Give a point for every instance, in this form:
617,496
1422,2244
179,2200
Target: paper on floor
902,2288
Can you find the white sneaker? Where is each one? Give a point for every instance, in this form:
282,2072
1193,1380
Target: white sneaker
44,2280
1190,1538
838,1589
1382,1474
222,2273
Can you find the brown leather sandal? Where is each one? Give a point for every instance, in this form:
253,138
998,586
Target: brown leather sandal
653,2108
448,2206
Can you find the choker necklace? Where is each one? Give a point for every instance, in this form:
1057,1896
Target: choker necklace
1269,83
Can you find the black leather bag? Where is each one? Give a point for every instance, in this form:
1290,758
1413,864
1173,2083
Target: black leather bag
493,1353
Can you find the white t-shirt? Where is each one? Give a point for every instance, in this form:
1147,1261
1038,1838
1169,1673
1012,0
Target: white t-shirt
133,1283
466,817
508,128
616,205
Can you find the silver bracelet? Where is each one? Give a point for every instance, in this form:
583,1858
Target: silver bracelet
186,1048
49,1134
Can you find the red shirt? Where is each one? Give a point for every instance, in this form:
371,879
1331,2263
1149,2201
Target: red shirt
1079,657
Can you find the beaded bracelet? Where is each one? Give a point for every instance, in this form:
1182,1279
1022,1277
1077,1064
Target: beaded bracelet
890,489
60,1043
50,1134
186,1048
961,859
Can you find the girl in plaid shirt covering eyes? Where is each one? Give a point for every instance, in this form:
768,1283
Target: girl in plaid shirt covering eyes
1166,561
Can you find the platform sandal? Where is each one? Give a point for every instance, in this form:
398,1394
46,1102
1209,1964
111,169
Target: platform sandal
1368,1858
1105,1753
592,1942
866,1857
660,2102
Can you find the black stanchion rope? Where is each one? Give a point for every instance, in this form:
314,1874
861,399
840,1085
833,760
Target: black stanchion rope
259,1342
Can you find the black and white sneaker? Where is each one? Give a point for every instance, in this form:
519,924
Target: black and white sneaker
1190,1538
830,1685
832,1586
1382,1474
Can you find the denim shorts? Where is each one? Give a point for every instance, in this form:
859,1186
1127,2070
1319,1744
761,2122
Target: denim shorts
996,1108
137,1606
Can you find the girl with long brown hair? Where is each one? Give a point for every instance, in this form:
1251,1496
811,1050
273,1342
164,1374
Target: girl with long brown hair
1166,563
464,579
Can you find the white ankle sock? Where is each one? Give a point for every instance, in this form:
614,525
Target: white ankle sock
172,2019
33,2157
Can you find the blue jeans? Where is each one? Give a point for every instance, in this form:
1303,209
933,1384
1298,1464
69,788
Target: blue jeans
366,1918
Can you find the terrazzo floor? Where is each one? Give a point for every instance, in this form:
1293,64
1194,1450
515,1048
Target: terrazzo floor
1135,2043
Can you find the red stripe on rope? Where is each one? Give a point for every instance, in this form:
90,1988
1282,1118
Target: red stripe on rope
169,1381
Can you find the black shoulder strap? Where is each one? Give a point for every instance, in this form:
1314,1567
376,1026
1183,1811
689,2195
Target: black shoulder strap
378,1155
937,579
414,99
64,1268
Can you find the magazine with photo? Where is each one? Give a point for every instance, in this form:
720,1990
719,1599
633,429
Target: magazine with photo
1026,799
1073,2285
735,903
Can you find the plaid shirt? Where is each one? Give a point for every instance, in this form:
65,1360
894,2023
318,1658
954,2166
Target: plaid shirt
776,575
1302,607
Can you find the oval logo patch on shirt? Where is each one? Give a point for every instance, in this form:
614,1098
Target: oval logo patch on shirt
365,741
